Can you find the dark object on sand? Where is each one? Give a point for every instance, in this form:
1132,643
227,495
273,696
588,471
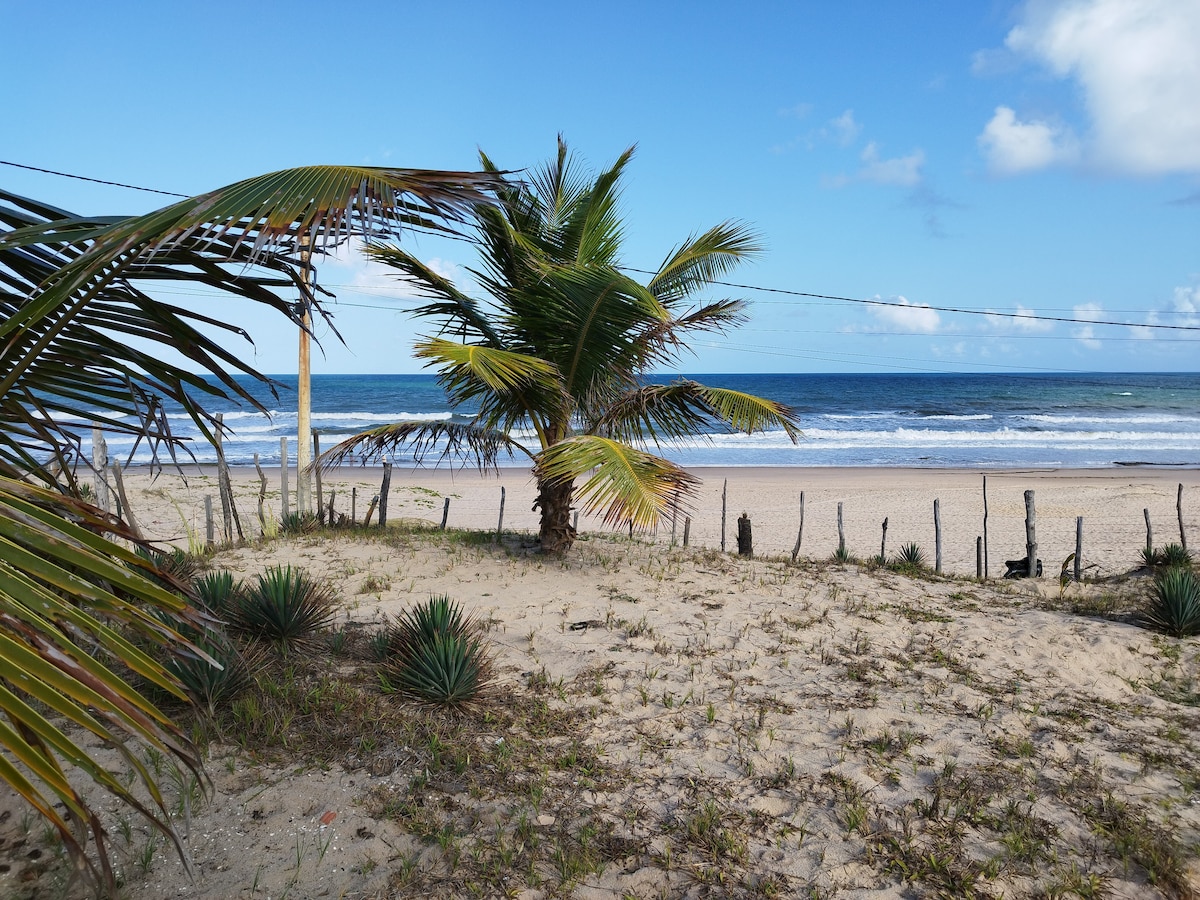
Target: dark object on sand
1019,568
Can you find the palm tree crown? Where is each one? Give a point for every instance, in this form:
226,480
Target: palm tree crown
561,346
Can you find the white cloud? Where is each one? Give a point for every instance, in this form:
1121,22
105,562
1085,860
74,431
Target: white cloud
1137,64
908,316
1012,146
799,111
1086,334
1022,319
348,270
900,170
1184,309
844,129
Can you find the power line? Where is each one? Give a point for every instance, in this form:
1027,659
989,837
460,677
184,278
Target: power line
745,287
132,187
946,309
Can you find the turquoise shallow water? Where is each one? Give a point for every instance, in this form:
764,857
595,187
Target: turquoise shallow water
985,421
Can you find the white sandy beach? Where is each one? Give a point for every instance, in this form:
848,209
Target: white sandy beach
730,727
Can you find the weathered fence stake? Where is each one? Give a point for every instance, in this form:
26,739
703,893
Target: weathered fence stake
100,467
745,538
575,522
687,529
985,534
979,558
383,493
1179,513
208,522
223,486
123,501
332,492
800,533
371,510
674,516
1031,546
446,513
1149,532
353,505
500,521
1078,546
262,493
841,532
883,542
316,464
937,536
724,489
283,477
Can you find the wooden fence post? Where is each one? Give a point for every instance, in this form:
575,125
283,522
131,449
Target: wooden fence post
745,538
575,522
800,533
316,464
353,505
841,532
123,501
1031,547
383,493
445,513
724,489
371,510
208,521
100,468
332,494
979,558
1149,532
500,521
283,477
1078,546
1179,513
262,493
883,542
687,529
937,536
674,515
985,525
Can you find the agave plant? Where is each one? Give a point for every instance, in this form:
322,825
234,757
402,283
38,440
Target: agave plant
218,592
436,655
1175,604
1175,556
911,556
284,605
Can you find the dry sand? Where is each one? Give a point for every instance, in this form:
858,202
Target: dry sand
734,727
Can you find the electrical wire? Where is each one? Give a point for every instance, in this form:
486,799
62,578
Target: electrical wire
733,284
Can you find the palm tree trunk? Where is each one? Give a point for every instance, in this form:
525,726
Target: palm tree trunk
554,498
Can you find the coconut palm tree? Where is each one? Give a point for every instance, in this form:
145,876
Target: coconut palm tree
559,347
82,617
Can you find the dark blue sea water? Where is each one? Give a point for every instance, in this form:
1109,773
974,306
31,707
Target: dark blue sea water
985,421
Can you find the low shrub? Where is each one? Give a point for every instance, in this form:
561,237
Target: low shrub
1175,603
911,556
284,605
437,655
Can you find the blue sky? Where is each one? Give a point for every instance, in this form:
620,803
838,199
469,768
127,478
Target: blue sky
1039,158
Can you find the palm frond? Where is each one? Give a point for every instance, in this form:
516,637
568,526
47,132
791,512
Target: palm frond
461,441
699,261
459,313
70,600
627,484
663,412
466,371
748,413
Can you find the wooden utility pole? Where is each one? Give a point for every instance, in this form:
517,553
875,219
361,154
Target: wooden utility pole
303,394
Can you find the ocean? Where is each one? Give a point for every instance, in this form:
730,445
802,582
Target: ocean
926,420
